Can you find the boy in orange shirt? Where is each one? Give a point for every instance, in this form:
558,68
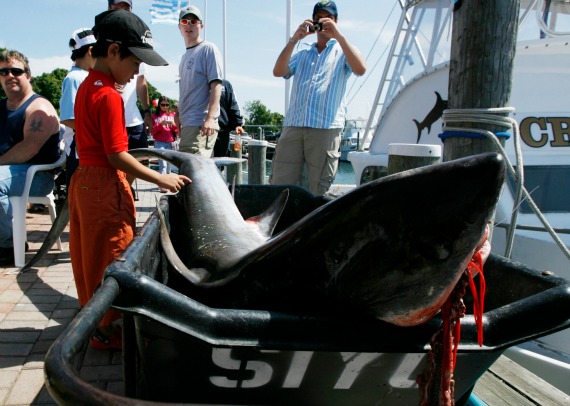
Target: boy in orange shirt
102,209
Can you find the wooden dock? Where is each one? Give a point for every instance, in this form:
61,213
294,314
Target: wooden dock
506,383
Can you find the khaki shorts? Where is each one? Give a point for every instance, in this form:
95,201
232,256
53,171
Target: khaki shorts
193,141
317,149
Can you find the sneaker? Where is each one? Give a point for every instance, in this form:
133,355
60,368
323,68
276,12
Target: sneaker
114,342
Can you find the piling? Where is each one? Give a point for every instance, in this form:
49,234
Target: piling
483,47
235,170
402,157
256,151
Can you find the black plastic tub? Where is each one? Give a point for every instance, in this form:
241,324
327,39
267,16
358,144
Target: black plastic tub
176,349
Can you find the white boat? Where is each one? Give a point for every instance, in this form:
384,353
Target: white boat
412,93
352,138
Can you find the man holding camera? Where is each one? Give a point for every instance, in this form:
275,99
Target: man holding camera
316,114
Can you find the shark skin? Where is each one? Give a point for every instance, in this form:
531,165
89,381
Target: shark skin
264,224
218,237
392,249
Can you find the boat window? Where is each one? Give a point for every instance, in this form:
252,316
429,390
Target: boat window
371,173
548,186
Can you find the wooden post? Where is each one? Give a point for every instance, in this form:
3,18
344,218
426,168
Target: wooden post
234,170
256,151
402,157
481,66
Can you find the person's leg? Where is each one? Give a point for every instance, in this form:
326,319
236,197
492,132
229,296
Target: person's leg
76,232
12,179
322,152
71,164
192,141
162,164
221,148
168,146
288,159
102,212
137,137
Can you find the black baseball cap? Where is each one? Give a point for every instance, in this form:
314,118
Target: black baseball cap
126,28
329,6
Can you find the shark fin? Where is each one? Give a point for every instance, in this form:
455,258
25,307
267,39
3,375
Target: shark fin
266,221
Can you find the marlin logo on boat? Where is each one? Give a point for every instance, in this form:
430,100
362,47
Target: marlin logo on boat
434,115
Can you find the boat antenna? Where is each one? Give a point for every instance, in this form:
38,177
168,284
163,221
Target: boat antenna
368,56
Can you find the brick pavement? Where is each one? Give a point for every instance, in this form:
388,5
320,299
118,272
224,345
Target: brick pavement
36,306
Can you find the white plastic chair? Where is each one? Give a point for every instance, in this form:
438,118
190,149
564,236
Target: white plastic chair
19,209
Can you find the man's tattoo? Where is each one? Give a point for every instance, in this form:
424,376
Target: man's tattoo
36,125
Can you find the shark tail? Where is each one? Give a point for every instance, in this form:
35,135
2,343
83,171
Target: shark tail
54,233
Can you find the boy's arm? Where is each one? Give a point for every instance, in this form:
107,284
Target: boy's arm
133,168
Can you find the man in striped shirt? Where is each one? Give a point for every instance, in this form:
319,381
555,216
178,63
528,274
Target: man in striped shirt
316,114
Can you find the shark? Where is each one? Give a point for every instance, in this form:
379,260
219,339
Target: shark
392,249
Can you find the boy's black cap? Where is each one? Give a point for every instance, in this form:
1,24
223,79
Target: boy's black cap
126,28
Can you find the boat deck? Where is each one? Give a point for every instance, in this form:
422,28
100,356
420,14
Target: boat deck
36,306
507,383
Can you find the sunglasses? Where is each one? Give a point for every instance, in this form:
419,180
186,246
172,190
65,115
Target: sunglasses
164,105
193,21
14,71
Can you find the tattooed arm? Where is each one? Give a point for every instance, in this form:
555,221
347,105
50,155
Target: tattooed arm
41,123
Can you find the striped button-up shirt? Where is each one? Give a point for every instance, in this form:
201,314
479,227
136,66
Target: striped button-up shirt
317,99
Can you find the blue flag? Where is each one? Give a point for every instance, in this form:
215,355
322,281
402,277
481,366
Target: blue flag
166,11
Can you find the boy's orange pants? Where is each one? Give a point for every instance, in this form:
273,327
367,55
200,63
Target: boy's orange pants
102,223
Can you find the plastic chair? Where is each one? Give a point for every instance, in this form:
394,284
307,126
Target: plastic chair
19,208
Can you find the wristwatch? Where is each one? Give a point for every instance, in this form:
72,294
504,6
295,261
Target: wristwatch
147,110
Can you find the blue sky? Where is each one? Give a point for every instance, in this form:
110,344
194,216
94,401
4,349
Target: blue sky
255,35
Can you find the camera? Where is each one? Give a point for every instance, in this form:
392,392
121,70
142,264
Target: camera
317,26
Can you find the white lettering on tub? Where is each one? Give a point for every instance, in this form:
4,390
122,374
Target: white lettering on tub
354,364
262,372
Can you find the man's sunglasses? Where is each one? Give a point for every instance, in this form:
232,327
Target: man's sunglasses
13,71
193,21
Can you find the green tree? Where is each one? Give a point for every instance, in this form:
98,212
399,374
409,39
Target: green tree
2,93
153,94
258,114
49,85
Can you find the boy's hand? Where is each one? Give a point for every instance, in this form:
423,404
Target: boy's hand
173,182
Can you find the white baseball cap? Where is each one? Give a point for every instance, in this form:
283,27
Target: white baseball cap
81,37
